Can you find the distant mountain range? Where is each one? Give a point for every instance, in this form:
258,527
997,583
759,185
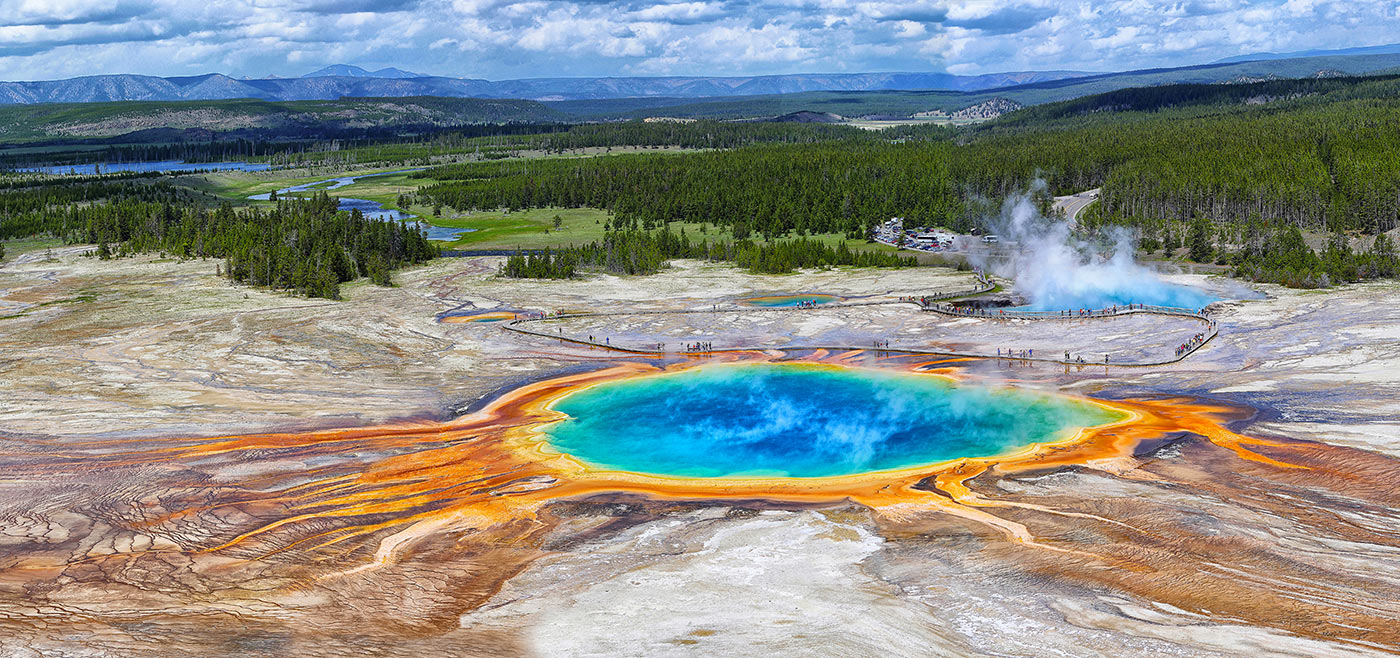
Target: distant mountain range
349,71
342,81
1388,49
618,96
888,103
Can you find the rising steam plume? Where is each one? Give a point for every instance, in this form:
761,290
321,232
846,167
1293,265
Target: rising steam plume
1056,269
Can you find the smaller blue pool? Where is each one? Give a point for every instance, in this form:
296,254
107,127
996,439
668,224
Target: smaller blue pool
773,301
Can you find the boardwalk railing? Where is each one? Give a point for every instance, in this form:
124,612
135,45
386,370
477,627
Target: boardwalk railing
928,303
984,285
1011,313
932,303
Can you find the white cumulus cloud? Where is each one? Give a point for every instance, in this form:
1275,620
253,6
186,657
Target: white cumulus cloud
504,39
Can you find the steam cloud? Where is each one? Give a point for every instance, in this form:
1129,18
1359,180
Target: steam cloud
1054,269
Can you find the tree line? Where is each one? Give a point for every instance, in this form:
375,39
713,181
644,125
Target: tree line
301,245
769,190
1318,154
647,252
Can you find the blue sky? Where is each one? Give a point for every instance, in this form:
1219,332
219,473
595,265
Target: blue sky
45,39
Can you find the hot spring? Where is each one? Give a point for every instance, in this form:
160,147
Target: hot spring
1057,268
803,421
1057,275
1099,293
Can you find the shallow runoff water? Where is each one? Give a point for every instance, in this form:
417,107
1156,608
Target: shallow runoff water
803,420
774,301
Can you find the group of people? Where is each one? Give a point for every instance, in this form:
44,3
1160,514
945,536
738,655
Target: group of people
881,343
964,310
1108,310
1018,354
661,347
1079,359
1191,344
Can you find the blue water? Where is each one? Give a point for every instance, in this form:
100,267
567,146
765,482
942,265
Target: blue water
796,420
1095,297
773,301
162,165
376,210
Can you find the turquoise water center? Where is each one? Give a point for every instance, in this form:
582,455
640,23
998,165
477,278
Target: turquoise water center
803,420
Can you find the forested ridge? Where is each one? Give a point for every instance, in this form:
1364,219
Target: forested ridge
513,141
427,143
1196,99
1318,154
1318,163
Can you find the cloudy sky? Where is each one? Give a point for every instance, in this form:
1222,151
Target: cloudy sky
45,39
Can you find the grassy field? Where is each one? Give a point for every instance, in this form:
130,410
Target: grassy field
239,185
16,247
384,188
526,229
534,229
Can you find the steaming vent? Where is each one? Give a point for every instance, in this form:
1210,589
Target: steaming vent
1057,269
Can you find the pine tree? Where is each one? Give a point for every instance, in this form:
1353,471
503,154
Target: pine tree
1201,248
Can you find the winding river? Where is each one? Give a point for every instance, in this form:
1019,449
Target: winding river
370,208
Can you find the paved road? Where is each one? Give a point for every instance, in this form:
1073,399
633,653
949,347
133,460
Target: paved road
1073,204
